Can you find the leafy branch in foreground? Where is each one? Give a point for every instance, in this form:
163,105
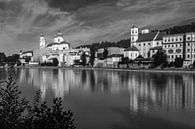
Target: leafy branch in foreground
15,111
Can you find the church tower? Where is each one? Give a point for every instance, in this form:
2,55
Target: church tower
42,42
134,35
59,37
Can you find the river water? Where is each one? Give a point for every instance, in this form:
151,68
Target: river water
103,99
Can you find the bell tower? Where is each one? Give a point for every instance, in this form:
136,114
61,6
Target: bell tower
134,35
42,42
59,37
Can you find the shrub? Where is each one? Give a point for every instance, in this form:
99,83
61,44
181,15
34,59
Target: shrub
16,113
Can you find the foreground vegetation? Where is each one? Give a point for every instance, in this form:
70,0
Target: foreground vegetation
17,113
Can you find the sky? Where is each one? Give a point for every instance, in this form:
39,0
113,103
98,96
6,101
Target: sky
83,21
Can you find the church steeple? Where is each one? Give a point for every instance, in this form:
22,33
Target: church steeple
42,42
59,37
134,35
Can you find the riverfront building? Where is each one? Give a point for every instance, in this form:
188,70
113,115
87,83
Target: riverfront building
58,43
180,46
146,42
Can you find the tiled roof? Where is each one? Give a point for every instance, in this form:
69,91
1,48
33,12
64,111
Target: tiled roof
27,52
156,48
133,48
160,36
51,44
146,37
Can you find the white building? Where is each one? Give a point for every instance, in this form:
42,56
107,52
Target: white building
58,44
173,46
180,46
131,52
145,40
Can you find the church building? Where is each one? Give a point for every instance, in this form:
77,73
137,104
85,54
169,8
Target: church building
58,43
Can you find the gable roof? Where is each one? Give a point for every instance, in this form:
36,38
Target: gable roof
133,48
160,36
146,37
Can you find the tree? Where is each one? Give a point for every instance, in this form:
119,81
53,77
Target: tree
178,62
83,59
124,60
12,105
2,57
159,58
92,55
55,62
105,53
15,112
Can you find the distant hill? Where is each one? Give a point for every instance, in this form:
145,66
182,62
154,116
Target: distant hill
178,28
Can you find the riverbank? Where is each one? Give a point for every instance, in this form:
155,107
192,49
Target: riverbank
116,69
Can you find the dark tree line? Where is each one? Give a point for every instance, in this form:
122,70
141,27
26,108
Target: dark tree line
13,58
125,43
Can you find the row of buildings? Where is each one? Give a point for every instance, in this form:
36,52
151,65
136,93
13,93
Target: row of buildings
143,42
174,45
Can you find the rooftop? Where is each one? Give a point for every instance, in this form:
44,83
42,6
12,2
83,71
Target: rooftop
146,37
133,48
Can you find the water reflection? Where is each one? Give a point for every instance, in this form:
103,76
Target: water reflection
146,90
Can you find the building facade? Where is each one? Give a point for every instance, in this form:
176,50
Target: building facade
146,40
132,53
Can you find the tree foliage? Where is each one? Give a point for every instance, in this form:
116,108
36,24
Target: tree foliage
16,113
92,55
179,62
105,53
83,59
159,58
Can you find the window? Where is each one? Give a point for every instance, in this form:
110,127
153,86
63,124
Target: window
188,50
188,44
176,45
172,56
144,44
148,43
139,44
188,56
180,39
176,39
189,38
157,43
168,45
172,45
180,45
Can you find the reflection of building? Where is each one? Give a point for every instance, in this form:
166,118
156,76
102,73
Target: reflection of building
176,93
146,90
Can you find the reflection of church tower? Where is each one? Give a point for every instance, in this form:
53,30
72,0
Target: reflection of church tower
42,41
59,37
134,35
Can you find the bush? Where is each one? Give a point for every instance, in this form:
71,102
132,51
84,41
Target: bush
178,62
16,113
